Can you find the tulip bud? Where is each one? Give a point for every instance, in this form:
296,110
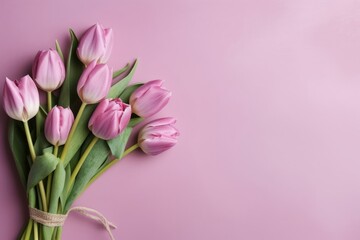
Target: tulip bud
58,124
110,118
158,136
109,43
48,70
149,99
21,98
94,83
95,45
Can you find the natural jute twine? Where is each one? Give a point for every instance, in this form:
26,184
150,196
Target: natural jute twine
58,220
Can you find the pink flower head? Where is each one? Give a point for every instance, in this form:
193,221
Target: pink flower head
48,70
58,124
109,43
110,118
95,45
150,98
21,98
94,83
158,136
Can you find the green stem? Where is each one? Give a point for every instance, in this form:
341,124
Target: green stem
53,237
113,162
33,157
72,131
58,233
56,150
129,150
30,142
49,101
43,196
81,162
36,233
28,230
48,188
49,181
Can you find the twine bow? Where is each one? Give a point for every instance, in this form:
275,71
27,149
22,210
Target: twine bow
58,220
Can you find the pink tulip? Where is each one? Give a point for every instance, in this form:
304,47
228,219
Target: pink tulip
94,83
58,124
95,45
110,118
21,98
48,70
149,99
109,43
158,136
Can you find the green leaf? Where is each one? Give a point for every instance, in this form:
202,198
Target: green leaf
119,87
119,72
19,149
48,150
40,144
95,159
134,121
57,187
41,168
42,109
58,49
75,159
40,120
67,178
85,145
74,68
117,145
125,95
81,132
47,232
32,198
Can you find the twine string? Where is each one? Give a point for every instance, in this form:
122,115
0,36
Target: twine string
58,220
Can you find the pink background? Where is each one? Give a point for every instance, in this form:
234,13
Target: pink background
267,97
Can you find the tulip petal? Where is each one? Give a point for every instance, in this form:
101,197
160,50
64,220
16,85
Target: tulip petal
158,136
84,76
58,124
159,131
48,70
152,101
13,103
92,44
110,118
66,121
99,111
30,96
97,85
34,67
106,127
162,121
109,42
143,89
52,126
124,119
155,146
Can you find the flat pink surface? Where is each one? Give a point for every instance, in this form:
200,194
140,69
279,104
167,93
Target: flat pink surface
267,97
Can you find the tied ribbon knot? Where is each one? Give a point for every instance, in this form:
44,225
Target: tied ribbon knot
58,220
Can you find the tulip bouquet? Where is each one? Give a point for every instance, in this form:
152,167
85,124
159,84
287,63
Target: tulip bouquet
81,129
